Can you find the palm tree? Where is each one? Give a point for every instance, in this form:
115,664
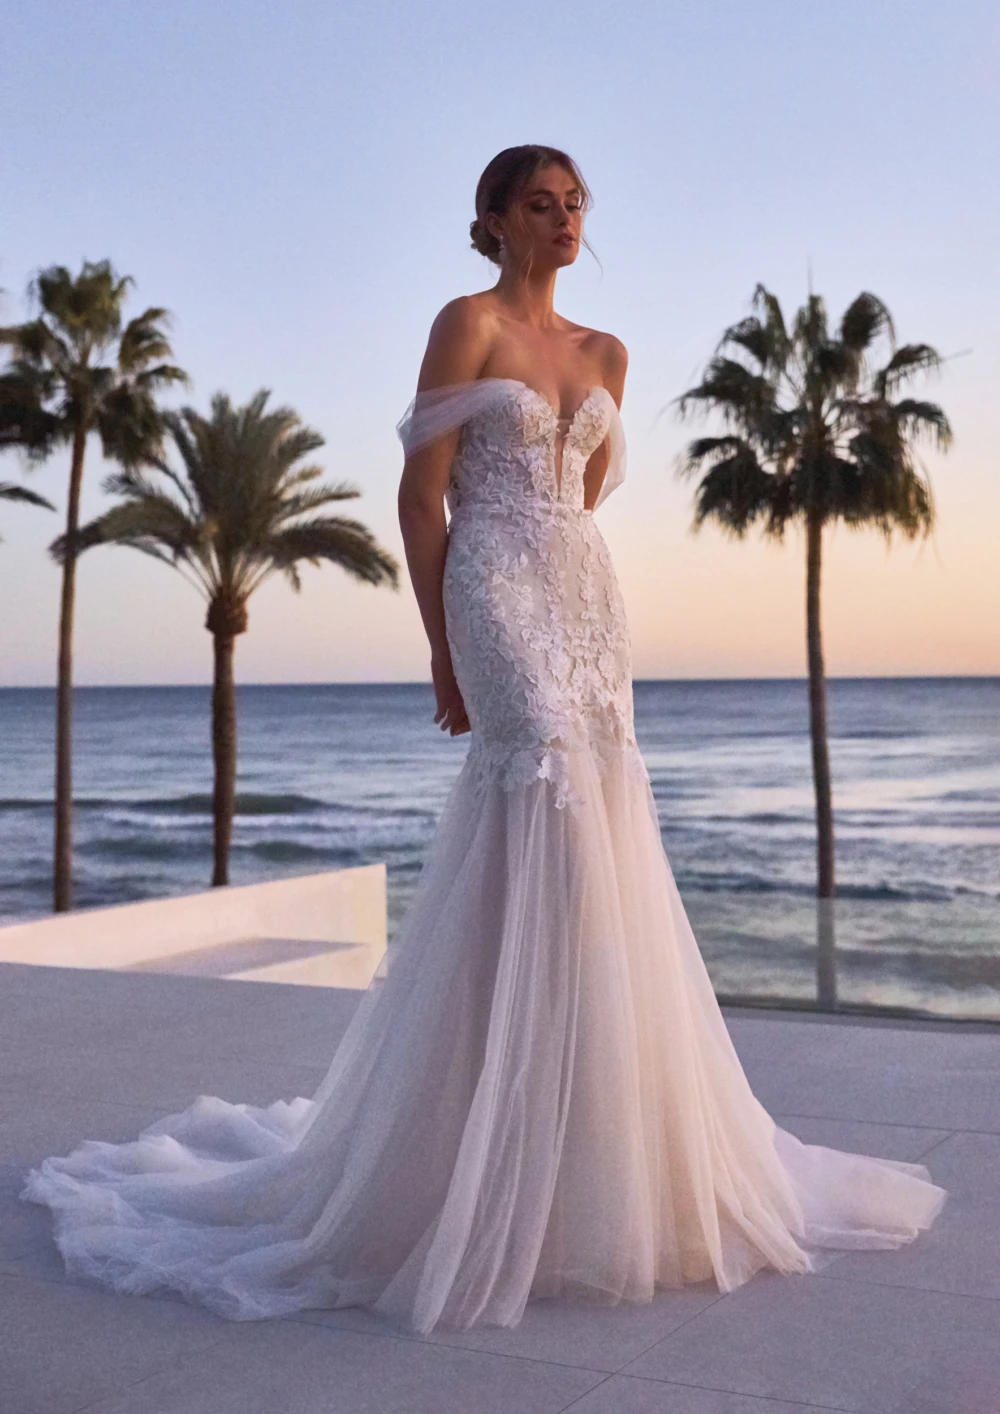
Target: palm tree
243,507
816,433
76,370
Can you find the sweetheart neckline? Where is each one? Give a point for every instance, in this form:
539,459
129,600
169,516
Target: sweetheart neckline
562,434
570,421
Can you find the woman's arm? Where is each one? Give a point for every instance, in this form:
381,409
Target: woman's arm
457,349
614,363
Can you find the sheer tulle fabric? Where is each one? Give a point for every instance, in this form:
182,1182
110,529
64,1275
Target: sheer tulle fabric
538,1096
580,1126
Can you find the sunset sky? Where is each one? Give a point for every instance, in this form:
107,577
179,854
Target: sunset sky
295,183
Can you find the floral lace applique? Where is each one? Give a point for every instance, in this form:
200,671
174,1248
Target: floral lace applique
535,617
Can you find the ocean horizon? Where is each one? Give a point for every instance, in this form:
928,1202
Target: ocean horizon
425,682
332,775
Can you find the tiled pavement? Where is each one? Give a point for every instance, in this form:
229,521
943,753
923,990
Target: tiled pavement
99,1055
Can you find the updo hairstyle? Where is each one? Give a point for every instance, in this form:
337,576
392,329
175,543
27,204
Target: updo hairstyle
503,181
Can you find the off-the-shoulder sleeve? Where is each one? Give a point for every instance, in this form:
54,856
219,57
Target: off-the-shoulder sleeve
436,411
615,474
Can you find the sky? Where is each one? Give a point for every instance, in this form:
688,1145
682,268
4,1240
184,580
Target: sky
295,182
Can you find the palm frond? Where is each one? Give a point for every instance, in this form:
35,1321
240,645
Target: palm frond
162,375
864,319
703,449
305,502
152,523
924,420
143,341
342,542
183,428
832,366
127,479
741,396
11,491
774,322
809,328
25,421
35,344
754,338
905,363
131,425
892,495
735,489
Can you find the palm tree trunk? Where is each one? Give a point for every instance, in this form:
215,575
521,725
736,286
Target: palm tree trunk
826,954
223,752
817,711
62,883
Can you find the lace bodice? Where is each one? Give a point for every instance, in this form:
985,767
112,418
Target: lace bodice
518,453
535,618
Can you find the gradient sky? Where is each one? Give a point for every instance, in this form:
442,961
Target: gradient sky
295,182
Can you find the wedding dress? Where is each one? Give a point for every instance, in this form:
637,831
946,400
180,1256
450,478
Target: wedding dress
538,1096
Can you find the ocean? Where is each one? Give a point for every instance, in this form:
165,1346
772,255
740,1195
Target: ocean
331,776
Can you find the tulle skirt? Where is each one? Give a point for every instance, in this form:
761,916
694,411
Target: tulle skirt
538,1098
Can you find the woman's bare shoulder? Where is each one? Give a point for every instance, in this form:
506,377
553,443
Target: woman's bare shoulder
611,356
460,341
468,315
607,349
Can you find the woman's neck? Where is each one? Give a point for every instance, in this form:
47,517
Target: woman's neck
528,298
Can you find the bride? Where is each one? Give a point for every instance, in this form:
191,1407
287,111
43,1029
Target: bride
539,1096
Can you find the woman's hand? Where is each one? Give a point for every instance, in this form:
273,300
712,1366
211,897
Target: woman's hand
451,714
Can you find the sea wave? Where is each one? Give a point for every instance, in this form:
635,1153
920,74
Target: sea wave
150,849
711,882
247,804
875,734
295,852
762,817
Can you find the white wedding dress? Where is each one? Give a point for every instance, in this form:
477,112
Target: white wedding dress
539,1096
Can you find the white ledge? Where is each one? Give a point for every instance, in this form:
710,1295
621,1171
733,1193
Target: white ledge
319,930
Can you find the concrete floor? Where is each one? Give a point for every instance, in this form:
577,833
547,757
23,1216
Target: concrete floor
101,1054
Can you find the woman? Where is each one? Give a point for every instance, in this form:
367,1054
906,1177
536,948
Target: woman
540,1097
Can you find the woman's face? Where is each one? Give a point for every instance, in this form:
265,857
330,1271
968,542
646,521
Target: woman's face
545,222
